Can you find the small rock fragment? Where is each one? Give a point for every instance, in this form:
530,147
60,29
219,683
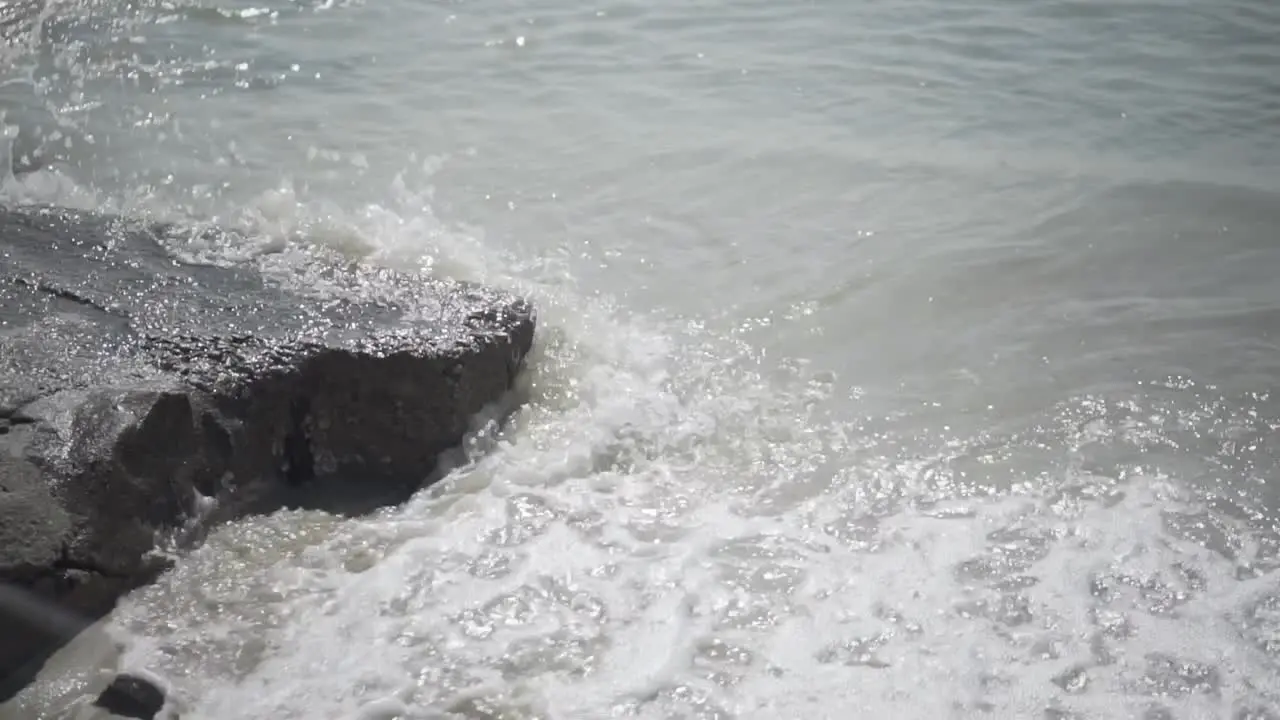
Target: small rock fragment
132,697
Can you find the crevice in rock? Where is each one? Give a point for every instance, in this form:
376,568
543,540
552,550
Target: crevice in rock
299,462
66,562
14,414
7,422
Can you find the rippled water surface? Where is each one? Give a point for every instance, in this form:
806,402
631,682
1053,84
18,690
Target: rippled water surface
908,359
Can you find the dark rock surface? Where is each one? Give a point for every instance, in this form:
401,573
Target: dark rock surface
131,697
144,396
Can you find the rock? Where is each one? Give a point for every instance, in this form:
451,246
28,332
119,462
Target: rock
145,395
132,697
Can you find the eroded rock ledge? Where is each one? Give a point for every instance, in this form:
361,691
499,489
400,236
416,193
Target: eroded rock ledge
144,396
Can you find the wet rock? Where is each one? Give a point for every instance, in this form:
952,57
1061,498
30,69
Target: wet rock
145,395
131,697
18,17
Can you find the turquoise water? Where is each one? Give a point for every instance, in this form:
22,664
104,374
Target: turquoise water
903,359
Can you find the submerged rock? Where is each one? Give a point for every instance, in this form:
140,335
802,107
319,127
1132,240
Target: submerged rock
144,396
131,697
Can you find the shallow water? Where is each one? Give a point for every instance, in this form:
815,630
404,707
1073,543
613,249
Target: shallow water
909,360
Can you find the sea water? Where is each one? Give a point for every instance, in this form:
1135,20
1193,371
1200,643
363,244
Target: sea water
911,359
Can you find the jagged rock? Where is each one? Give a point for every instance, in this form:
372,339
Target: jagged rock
144,395
131,697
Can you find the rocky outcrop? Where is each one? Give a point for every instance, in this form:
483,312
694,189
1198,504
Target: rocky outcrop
129,696
145,395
